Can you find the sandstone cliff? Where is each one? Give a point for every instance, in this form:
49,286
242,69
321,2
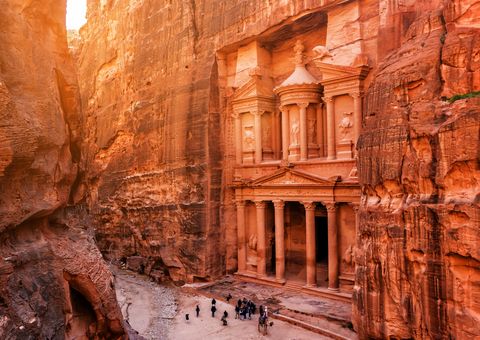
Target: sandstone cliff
49,271
418,257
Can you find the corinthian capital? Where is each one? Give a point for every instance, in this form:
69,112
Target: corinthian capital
309,205
327,99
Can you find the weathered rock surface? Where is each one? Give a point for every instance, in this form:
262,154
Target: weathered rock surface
53,281
418,257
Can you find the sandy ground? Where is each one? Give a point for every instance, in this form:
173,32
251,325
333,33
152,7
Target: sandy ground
206,327
158,312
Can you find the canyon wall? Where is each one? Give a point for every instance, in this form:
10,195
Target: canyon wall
158,165
418,257
53,281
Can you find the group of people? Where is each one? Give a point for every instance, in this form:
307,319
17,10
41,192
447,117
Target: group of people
243,308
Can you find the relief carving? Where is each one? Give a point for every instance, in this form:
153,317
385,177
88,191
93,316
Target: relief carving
348,259
345,126
252,242
249,138
295,131
321,52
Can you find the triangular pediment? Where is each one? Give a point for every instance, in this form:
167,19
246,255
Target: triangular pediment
292,177
330,71
254,88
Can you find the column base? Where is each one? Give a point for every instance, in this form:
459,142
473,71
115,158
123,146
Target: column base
333,289
310,285
329,158
281,281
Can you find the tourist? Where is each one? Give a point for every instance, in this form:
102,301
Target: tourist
225,314
197,310
187,317
214,301
244,313
239,303
237,312
213,309
224,320
249,313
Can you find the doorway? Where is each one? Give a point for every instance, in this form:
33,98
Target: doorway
321,250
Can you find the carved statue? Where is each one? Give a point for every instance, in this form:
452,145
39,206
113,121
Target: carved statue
252,242
345,125
295,131
312,130
348,257
267,136
321,52
249,138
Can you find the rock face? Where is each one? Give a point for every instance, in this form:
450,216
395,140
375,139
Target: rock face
418,257
53,281
158,163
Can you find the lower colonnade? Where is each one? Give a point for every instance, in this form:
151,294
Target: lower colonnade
279,243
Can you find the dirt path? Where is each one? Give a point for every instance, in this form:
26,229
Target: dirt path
158,312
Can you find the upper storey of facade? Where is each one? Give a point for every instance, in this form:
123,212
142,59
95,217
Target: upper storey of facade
296,98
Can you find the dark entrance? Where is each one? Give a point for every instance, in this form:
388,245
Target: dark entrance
321,239
321,247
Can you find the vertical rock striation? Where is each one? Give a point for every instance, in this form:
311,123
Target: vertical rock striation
418,257
49,272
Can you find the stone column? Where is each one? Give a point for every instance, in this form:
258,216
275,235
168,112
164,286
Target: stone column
285,132
303,131
242,250
261,246
357,115
279,240
310,243
332,247
331,154
320,130
238,138
258,136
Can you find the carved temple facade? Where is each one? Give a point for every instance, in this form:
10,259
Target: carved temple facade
296,116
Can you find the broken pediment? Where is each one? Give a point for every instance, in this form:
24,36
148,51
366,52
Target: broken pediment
292,177
330,71
254,88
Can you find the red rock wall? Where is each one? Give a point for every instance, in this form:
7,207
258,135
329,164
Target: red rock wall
41,256
418,257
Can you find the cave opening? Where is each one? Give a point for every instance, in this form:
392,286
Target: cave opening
83,321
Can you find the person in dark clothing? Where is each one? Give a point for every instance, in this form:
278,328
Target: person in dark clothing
237,312
213,309
254,308
225,314
214,301
244,301
197,310
187,317
224,320
249,313
229,296
244,313
261,310
239,303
